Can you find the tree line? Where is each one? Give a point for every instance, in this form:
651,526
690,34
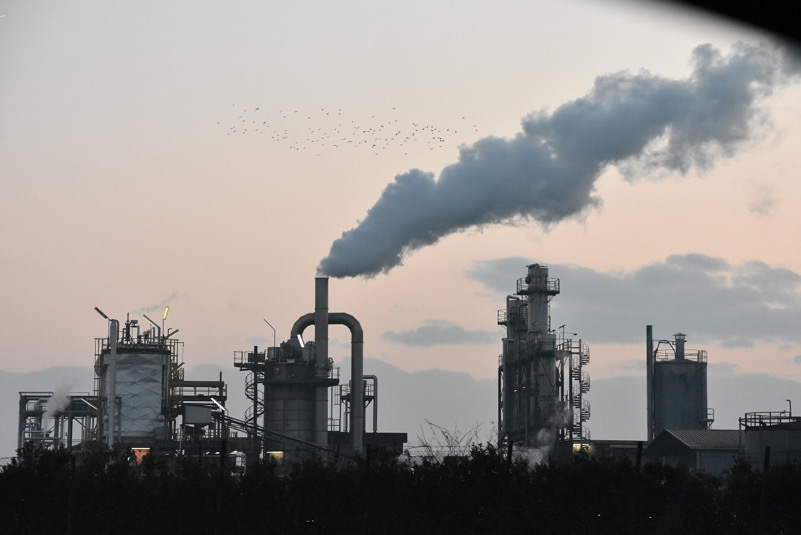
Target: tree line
54,491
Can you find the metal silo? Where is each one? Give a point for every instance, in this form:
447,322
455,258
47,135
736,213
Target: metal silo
677,385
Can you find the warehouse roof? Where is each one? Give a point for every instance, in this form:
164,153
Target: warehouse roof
670,441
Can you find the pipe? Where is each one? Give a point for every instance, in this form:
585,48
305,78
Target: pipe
649,378
680,338
111,398
356,367
321,360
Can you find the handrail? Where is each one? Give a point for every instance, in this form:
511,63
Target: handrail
275,435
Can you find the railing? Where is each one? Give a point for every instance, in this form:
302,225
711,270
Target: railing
502,317
765,419
698,355
537,285
585,382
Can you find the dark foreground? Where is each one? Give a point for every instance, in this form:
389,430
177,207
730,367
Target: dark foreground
51,492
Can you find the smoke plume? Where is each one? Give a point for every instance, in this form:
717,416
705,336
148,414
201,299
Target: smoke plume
59,400
642,123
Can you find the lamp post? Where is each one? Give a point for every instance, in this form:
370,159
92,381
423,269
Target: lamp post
273,328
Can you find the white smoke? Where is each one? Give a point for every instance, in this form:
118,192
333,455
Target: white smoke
59,400
642,123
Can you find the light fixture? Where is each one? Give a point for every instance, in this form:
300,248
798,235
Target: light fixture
153,323
219,406
92,406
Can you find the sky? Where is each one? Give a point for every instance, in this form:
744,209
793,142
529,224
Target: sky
217,158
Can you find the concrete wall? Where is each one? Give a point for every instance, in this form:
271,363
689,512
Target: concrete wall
784,442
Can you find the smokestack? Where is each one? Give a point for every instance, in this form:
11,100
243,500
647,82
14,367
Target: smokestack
357,363
680,338
321,359
641,123
649,378
111,377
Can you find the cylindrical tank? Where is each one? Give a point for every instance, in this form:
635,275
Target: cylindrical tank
784,441
290,407
538,296
679,394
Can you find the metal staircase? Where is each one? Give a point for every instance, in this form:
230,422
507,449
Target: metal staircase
256,398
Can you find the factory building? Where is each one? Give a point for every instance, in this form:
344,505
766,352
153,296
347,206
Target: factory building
541,375
295,392
298,404
713,451
142,401
770,437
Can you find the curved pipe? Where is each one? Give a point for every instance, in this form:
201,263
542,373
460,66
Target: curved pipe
356,367
300,325
334,318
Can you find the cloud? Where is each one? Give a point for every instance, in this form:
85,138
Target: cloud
723,368
642,123
633,365
762,201
706,297
439,332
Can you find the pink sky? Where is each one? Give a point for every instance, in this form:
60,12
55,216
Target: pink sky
124,186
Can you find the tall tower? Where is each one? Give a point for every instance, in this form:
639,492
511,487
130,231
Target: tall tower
540,376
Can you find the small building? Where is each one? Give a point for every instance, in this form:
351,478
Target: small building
713,451
775,434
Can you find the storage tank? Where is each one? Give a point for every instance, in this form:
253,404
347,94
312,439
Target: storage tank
774,437
290,392
677,386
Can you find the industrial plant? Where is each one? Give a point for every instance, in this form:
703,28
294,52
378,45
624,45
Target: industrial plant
143,402
298,406
541,376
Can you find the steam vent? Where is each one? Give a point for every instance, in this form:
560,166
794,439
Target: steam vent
541,376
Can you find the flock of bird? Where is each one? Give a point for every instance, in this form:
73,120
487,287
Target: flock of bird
327,129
